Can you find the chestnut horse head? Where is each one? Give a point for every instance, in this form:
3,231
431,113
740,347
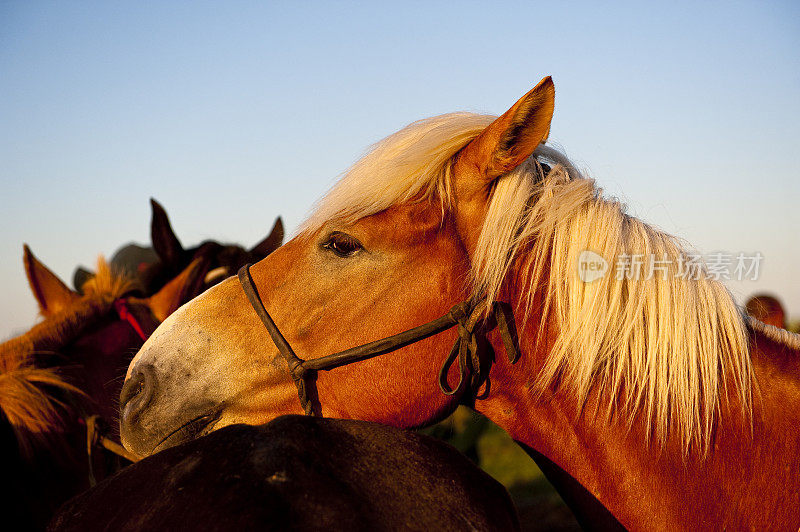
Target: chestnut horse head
639,380
768,309
82,346
64,370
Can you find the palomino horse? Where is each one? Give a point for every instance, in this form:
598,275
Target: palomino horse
298,473
650,391
65,370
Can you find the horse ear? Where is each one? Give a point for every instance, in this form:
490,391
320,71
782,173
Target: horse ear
512,137
179,290
272,242
79,278
50,292
167,246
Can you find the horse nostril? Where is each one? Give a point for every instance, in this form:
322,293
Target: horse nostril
138,388
132,387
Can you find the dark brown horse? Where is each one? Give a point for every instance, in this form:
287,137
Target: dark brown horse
154,266
648,390
298,473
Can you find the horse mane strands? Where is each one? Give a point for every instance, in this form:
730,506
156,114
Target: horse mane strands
412,164
667,345
30,409
25,404
663,344
107,283
25,399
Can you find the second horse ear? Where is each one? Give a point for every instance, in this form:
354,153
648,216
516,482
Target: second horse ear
80,277
187,285
50,292
272,242
167,246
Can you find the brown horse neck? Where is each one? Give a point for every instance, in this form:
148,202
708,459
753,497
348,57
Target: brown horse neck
599,464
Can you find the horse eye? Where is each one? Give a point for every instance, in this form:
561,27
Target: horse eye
342,244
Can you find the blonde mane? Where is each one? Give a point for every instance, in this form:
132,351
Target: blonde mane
108,284
410,165
668,347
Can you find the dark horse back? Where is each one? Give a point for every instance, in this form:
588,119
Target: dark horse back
297,473
40,480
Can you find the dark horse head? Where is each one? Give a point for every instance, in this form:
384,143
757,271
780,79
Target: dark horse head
154,266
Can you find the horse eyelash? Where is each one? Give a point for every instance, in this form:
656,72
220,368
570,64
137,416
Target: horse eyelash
338,237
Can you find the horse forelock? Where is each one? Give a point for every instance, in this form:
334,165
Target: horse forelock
100,291
108,284
413,164
668,345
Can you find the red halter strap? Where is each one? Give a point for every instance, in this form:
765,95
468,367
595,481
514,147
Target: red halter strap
121,306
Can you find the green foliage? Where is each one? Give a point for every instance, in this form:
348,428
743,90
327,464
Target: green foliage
501,457
539,505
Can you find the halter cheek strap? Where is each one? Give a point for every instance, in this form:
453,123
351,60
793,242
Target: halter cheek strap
126,315
468,349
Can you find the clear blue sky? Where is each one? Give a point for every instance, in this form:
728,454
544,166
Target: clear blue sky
231,113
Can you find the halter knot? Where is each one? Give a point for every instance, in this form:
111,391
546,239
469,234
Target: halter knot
297,369
472,342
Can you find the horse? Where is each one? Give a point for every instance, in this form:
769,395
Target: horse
653,400
767,309
153,266
57,379
298,473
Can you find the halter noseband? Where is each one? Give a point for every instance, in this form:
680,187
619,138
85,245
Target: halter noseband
471,342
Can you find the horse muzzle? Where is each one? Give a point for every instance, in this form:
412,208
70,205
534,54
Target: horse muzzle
144,428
